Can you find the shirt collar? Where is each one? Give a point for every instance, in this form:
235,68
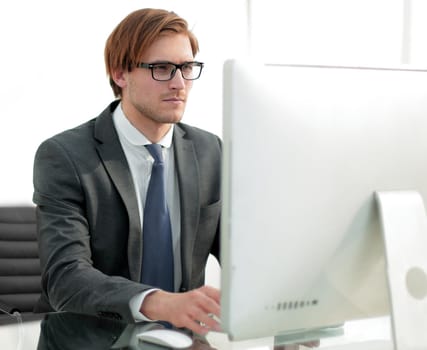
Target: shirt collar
132,134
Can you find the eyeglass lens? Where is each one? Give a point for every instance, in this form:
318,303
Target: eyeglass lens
166,71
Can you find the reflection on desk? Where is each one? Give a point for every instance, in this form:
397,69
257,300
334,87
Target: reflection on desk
66,331
73,331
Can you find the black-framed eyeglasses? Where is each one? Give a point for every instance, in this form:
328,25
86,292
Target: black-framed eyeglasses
164,71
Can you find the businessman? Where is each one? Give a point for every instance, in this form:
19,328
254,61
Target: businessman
113,243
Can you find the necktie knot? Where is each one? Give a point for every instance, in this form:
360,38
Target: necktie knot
155,151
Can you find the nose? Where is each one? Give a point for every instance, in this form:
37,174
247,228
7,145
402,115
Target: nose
177,82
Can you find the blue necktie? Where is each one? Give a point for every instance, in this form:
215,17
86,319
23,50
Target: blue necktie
157,258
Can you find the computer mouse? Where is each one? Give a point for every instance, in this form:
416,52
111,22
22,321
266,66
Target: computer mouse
166,337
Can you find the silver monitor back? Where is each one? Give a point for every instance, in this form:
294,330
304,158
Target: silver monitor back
305,148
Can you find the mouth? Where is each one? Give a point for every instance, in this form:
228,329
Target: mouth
174,99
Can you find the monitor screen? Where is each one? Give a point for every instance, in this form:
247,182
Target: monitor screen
305,150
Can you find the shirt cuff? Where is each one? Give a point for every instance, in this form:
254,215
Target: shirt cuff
135,305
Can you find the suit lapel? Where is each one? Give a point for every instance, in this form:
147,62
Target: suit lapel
188,180
114,159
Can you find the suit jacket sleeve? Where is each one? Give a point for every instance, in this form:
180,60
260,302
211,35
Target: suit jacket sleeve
69,277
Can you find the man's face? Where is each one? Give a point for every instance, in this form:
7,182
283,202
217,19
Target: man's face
147,102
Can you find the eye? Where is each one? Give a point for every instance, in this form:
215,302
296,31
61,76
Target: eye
161,67
187,67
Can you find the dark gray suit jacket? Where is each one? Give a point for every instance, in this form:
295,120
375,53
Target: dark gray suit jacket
90,241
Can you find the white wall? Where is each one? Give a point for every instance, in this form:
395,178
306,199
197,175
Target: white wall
355,32
52,67
53,74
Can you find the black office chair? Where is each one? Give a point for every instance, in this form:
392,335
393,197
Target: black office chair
20,275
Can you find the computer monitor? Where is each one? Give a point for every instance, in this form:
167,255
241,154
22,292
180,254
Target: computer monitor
305,150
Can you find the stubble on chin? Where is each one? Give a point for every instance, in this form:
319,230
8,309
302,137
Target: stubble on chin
163,117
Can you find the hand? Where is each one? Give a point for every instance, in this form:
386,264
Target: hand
193,310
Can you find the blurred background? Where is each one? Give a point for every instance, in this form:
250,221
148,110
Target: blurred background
54,78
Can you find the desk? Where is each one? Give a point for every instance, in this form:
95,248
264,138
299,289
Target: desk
63,331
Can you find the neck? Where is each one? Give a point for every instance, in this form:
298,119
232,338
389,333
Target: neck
154,131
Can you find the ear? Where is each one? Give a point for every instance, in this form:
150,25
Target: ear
120,77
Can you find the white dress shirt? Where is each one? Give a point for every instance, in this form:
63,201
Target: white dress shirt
140,163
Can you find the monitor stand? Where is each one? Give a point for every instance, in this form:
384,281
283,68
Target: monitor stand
404,226
307,335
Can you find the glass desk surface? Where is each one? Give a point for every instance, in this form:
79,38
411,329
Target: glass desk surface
67,331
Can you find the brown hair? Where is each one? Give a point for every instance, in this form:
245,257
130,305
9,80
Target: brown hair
135,33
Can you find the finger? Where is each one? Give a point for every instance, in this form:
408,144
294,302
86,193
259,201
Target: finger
196,327
210,305
209,322
212,293
211,308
